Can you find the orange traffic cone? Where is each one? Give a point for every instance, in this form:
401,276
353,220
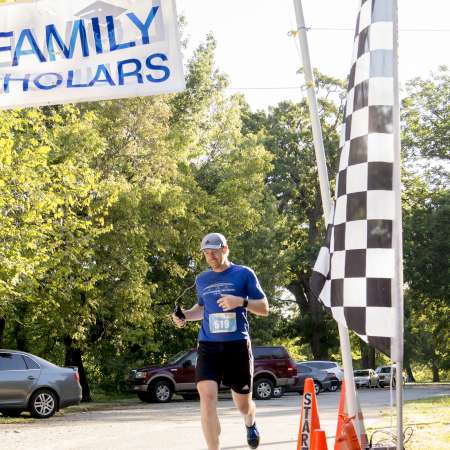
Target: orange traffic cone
309,420
348,439
343,419
319,440
341,415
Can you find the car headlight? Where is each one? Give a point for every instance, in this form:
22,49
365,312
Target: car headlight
140,375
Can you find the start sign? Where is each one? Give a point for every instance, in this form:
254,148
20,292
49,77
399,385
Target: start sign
54,52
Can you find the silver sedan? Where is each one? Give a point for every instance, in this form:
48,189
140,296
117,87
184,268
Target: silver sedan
30,383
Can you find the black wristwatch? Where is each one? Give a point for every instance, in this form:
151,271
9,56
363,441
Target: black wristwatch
245,304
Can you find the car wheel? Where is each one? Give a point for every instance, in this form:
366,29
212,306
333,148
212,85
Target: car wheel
144,397
278,391
162,391
317,387
263,389
334,386
11,412
43,404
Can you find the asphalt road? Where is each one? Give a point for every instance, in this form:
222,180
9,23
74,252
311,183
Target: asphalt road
176,426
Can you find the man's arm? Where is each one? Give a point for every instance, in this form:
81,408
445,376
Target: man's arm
259,307
195,313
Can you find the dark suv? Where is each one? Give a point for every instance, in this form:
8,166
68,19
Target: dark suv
273,368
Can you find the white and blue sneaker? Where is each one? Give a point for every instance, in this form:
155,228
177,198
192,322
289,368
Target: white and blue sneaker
252,436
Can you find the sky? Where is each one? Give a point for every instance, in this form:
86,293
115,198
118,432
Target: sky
255,51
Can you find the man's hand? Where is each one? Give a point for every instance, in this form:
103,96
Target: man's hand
179,323
229,302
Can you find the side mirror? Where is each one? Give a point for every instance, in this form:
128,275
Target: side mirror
187,363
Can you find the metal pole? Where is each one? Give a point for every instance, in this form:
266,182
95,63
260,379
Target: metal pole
313,111
326,202
397,283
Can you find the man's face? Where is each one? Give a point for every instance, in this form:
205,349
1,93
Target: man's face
216,258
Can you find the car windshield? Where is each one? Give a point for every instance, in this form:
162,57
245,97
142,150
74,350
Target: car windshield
385,370
322,364
361,373
177,357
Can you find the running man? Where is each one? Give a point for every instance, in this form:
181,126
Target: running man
225,293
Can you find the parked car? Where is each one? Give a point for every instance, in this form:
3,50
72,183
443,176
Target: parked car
322,379
384,374
366,378
329,366
273,369
30,383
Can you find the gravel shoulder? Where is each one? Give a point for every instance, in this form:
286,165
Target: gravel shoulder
176,425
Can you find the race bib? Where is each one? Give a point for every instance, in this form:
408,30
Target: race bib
222,322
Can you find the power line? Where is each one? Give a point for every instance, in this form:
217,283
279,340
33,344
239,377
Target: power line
263,88
413,30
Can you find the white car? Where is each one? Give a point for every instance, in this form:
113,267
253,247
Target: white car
384,375
328,366
365,377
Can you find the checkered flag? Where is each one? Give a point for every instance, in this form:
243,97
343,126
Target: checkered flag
354,272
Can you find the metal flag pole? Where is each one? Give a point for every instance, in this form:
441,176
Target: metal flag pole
397,283
344,337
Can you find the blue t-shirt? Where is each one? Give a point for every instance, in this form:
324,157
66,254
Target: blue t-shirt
219,325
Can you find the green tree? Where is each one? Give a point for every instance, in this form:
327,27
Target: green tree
426,122
426,116
286,133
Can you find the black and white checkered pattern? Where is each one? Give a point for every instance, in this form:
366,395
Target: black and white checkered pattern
354,271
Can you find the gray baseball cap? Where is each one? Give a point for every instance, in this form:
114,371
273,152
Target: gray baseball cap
213,241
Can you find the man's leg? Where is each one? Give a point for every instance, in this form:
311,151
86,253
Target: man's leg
208,390
246,406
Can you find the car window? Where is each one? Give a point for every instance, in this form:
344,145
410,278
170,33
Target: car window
177,357
385,370
322,365
278,353
30,363
262,352
304,369
191,357
12,361
361,373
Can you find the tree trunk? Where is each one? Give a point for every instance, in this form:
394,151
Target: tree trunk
363,347
73,357
2,329
319,350
311,311
435,371
409,371
19,335
367,355
371,357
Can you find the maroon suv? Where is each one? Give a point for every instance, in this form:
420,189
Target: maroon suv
273,368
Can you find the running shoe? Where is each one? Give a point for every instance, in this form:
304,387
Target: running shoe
252,436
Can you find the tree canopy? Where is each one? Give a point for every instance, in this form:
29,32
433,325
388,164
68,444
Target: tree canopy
103,206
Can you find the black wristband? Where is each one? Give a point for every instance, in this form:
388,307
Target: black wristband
245,304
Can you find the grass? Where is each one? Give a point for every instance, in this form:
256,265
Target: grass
429,421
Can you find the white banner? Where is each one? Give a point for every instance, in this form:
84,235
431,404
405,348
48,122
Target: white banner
54,51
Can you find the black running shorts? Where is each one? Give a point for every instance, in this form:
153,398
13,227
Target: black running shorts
229,363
